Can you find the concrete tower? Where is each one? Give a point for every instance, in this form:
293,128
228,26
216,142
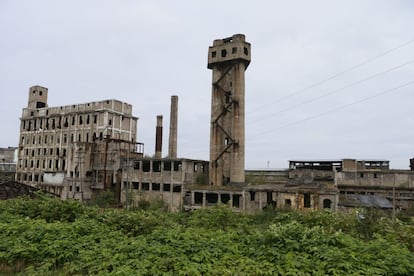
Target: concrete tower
228,58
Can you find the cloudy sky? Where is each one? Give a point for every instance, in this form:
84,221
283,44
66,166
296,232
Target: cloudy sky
328,79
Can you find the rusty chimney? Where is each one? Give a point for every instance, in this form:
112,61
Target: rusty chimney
158,137
172,147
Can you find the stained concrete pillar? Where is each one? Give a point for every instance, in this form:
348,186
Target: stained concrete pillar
172,143
158,137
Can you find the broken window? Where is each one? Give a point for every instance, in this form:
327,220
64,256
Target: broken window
224,198
95,119
234,50
166,187
177,166
327,204
80,119
155,186
87,119
223,53
252,195
135,185
146,165
307,200
198,198
212,198
269,197
213,54
288,203
236,201
156,166
176,188
136,165
145,186
167,165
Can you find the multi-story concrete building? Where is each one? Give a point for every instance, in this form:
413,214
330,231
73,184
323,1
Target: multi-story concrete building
8,160
70,150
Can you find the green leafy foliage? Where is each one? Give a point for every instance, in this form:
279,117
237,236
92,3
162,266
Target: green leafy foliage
46,236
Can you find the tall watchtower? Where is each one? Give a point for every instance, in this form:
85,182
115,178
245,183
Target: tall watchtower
228,58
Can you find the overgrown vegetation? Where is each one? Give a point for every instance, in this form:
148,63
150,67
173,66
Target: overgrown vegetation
46,236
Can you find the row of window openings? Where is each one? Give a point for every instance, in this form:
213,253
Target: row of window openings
145,186
30,177
269,199
45,164
64,140
45,152
47,111
233,51
214,198
57,123
158,166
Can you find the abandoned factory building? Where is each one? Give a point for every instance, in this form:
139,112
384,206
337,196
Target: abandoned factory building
77,151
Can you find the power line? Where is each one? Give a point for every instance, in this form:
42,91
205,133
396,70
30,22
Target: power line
336,90
369,60
335,109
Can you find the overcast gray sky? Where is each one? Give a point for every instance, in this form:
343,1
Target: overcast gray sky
328,79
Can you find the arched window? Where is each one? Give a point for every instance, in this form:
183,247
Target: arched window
327,203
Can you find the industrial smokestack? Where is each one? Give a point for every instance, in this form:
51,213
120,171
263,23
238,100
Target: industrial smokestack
172,147
158,137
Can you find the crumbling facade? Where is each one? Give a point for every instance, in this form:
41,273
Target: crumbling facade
68,150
